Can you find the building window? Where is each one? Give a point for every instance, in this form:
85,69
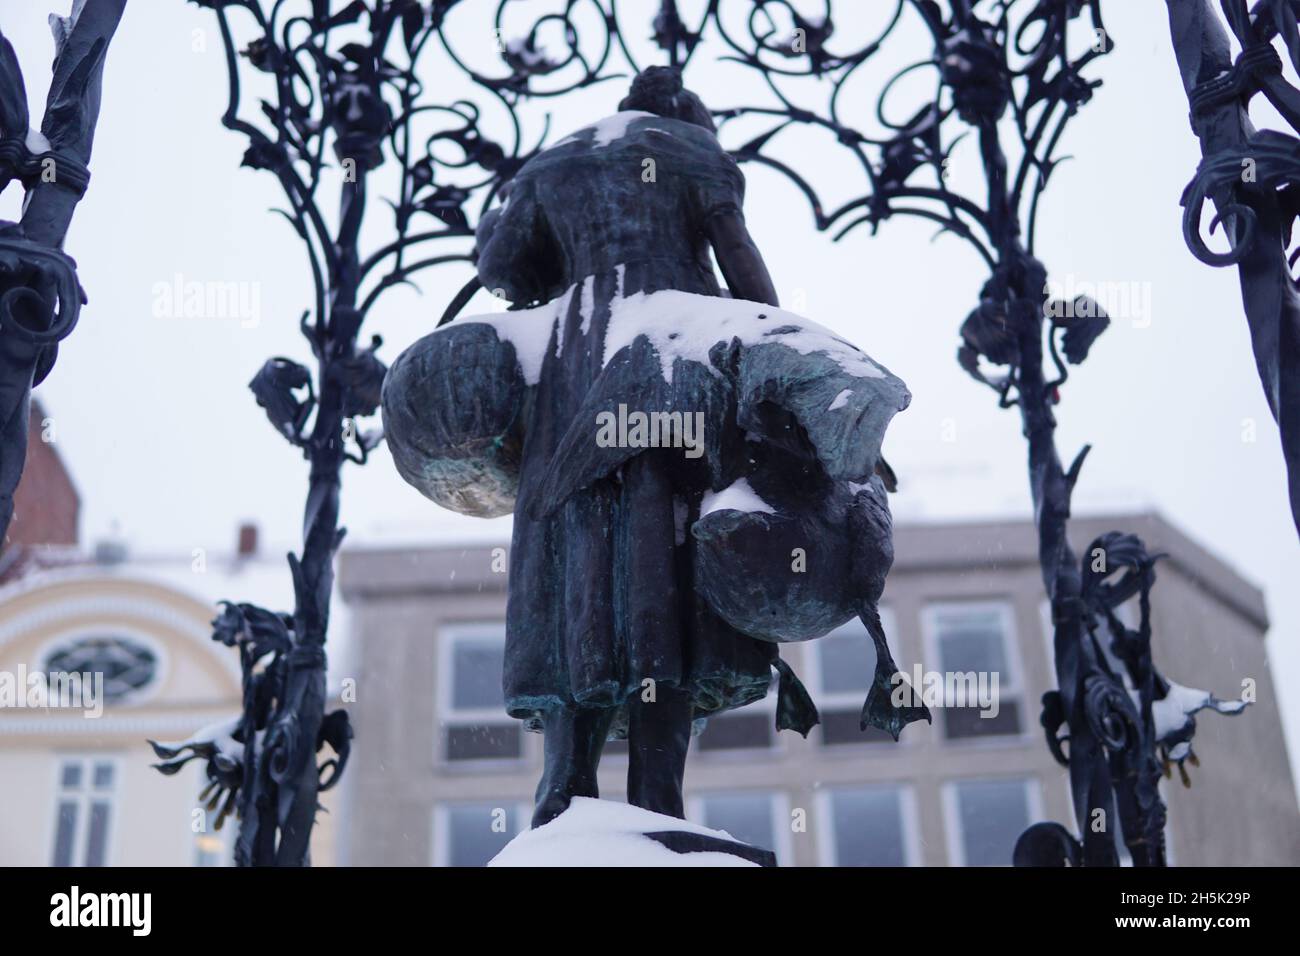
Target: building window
749,728
843,667
83,812
869,826
474,725
209,850
972,643
986,817
751,817
471,834
127,666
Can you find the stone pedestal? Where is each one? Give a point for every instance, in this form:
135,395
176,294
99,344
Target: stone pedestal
607,833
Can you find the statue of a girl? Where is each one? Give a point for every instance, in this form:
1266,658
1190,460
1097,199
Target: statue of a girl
651,578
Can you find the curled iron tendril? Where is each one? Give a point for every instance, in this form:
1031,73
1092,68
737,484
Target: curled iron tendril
24,313
1267,166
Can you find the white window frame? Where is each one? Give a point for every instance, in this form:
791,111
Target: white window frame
1011,686
909,816
845,700
779,802
84,797
450,633
954,838
441,830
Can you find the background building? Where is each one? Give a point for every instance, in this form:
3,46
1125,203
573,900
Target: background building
445,777
441,776
80,789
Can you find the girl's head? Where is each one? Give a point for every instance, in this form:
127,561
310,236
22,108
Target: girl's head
659,90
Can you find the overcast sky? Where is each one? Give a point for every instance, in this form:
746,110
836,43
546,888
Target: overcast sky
169,450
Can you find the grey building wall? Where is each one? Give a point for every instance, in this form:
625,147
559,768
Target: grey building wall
402,790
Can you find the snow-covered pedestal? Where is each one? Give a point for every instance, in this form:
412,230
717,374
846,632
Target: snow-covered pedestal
606,833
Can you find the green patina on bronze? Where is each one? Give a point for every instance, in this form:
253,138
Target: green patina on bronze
636,609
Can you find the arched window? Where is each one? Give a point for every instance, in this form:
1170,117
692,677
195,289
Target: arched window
128,665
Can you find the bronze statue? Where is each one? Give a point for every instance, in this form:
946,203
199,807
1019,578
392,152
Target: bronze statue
655,566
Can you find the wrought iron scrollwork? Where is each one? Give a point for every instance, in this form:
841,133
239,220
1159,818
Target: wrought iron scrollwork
1139,725
40,297
989,60
1251,177
347,77
245,756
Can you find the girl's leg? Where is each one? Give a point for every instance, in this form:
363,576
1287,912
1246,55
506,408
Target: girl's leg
573,740
659,733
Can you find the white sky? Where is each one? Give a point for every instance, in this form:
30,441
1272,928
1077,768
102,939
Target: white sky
168,447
